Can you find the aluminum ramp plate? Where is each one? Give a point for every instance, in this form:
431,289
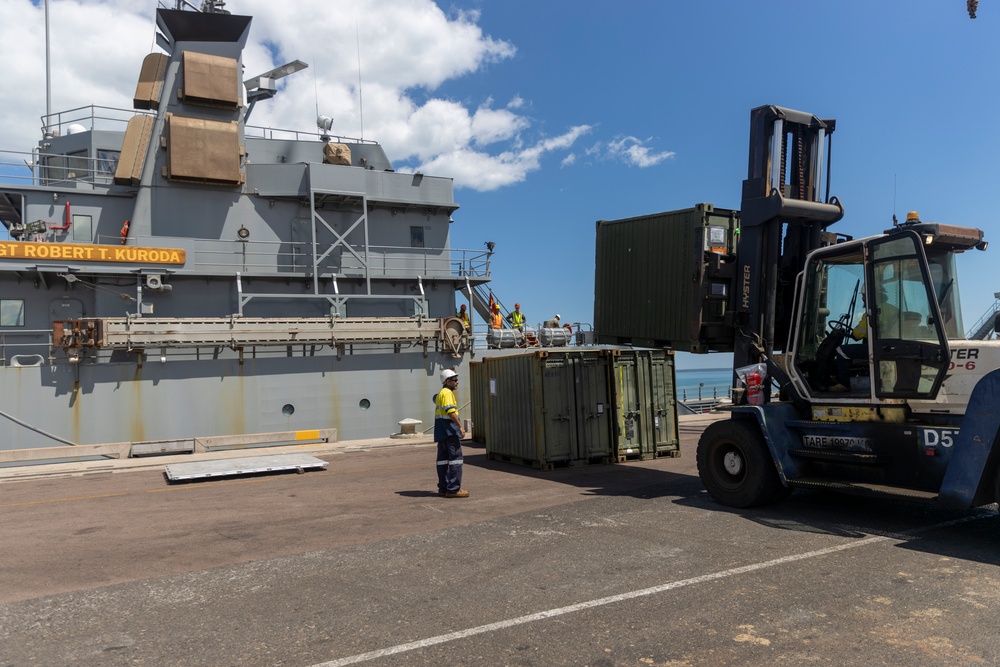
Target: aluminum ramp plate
247,465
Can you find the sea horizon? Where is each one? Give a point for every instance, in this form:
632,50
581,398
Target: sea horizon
694,383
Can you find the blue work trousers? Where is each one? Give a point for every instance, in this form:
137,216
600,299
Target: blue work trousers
449,465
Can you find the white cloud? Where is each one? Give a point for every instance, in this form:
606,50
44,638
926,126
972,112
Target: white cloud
568,161
402,51
630,151
484,172
492,125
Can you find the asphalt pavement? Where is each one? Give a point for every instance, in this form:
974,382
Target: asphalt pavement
628,564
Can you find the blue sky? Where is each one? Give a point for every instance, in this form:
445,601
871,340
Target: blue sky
552,115
903,79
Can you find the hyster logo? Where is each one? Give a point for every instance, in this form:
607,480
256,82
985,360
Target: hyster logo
746,287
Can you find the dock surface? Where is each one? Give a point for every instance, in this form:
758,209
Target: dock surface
362,563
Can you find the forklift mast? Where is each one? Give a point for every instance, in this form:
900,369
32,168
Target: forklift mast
785,211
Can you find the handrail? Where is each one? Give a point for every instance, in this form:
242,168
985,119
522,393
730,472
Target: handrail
57,169
980,329
43,340
383,261
94,117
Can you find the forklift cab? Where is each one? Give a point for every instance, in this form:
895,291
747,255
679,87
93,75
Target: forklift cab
870,319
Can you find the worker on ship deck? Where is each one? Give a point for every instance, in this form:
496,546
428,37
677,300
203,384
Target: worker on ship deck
553,323
496,321
516,318
463,315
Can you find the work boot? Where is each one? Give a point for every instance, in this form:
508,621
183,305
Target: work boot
461,493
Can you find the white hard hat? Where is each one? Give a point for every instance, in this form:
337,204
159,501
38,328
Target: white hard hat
557,316
447,374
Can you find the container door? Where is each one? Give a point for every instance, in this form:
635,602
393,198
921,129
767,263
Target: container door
627,418
594,424
558,414
664,403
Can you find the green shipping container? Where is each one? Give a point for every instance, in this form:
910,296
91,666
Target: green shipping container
550,408
664,280
477,384
646,404
573,407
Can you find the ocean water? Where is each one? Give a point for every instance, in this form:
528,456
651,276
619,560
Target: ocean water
711,382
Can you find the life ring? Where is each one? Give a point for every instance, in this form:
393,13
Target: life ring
124,232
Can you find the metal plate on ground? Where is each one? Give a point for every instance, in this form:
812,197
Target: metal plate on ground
246,465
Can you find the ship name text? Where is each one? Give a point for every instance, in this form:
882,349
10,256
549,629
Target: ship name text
90,253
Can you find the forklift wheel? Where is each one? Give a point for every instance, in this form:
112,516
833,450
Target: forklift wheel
735,465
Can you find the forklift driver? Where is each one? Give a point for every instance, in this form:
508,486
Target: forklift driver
847,353
888,318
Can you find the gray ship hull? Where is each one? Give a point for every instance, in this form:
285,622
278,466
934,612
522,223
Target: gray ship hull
360,395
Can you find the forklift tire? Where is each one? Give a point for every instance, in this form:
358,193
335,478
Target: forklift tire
736,467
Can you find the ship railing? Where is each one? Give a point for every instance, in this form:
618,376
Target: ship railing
256,131
95,117
90,117
382,261
529,339
52,169
475,263
984,325
16,167
31,353
705,399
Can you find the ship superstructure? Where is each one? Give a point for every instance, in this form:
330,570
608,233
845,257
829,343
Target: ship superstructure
173,272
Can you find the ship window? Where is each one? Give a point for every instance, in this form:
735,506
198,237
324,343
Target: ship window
83,229
416,237
55,168
11,312
76,165
107,161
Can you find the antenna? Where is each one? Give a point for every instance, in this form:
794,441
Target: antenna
361,101
48,76
894,221
316,87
